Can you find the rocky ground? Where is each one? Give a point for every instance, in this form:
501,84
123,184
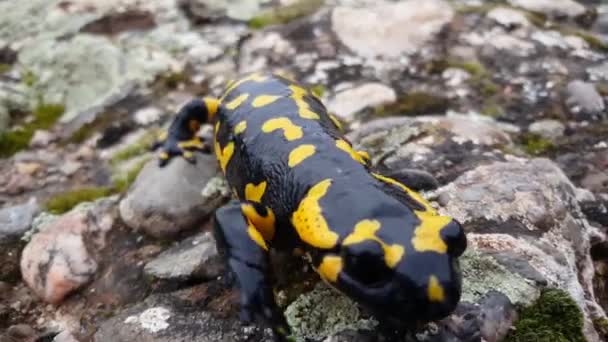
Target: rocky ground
502,101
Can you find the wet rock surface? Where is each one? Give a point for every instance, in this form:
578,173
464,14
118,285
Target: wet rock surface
496,109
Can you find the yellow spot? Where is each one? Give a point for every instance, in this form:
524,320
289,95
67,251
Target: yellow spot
162,136
290,131
344,146
366,230
264,100
427,236
240,127
435,291
264,224
254,193
336,122
194,143
364,155
233,85
212,104
163,155
308,219
237,101
216,128
256,236
188,154
330,268
224,155
298,154
416,196
297,94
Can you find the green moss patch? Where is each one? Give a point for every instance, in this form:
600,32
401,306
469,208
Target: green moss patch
285,14
554,317
414,103
64,202
141,146
44,117
534,144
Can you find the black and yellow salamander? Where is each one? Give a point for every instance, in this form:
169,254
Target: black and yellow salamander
301,185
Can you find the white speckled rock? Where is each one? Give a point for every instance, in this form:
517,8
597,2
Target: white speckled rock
566,8
390,29
57,261
508,17
549,129
348,102
583,99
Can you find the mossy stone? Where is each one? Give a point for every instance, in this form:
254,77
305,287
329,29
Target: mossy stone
555,317
44,117
285,14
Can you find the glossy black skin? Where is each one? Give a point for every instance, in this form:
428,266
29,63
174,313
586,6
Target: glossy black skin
398,296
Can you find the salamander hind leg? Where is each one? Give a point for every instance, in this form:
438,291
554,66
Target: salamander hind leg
181,138
246,254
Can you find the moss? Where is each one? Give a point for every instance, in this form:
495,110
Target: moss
536,18
285,14
534,144
172,80
29,79
602,88
318,90
63,202
492,109
555,317
4,68
601,325
593,41
415,103
480,9
44,117
141,146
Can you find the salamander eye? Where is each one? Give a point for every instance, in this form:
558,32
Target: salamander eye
364,262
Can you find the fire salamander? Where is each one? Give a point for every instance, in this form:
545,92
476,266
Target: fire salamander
301,185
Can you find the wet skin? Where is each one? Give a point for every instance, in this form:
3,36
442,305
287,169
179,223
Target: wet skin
301,185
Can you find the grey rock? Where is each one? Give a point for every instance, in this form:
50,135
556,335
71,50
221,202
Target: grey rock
348,102
550,129
42,138
598,72
378,30
165,201
563,8
65,336
84,72
4,119
16,220
583,99
194,258
508,17
172,318
541,228
205,10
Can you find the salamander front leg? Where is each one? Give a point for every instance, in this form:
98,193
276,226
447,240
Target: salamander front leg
246,255
181,139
